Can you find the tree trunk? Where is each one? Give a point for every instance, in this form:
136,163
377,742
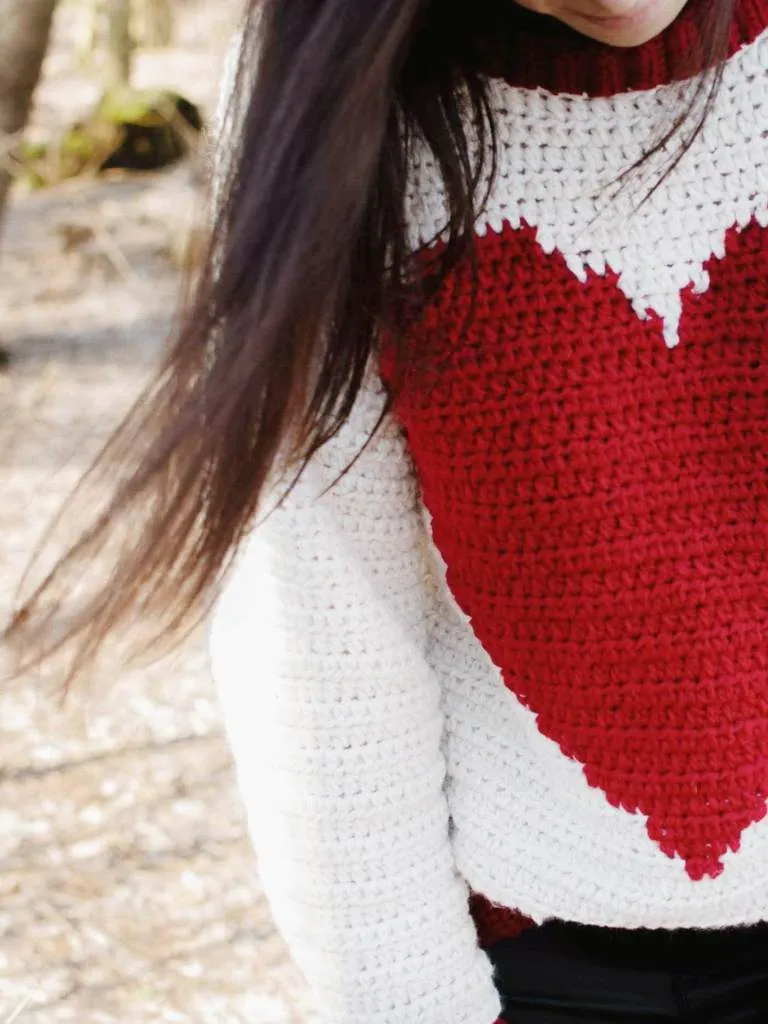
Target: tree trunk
26,29
89,31
155,20
119,43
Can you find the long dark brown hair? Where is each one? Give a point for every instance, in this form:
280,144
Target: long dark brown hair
308,260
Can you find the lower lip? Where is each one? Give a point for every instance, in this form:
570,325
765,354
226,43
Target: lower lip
634,18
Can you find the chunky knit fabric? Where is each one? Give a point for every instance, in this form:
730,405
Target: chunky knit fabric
513,664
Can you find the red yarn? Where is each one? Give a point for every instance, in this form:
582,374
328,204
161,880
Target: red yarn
494,923
601,503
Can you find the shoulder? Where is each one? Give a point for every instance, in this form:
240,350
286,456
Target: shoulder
364,468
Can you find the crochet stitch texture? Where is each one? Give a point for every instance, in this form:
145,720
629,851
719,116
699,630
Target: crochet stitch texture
518,651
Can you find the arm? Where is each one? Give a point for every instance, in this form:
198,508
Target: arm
335,723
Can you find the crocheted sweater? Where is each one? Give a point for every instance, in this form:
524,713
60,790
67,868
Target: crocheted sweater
513,665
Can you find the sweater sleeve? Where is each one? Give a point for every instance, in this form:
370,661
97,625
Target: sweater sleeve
334,718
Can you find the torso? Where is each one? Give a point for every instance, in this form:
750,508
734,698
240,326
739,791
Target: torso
592,456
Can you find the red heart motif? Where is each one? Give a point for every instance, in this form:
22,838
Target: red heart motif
602,505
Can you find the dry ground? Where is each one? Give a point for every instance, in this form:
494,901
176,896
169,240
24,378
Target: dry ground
128,892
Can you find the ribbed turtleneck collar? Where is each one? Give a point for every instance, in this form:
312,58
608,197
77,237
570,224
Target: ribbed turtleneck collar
548,55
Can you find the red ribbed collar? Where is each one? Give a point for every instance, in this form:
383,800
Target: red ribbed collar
549,55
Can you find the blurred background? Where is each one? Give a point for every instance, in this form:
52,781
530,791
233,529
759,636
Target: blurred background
128,891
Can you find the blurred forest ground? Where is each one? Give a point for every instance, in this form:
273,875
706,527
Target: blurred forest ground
128,891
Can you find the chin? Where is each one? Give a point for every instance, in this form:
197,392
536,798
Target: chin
624,40
635,33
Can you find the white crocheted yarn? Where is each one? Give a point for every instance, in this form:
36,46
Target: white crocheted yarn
561,156
335,722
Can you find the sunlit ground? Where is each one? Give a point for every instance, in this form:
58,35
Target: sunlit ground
128,892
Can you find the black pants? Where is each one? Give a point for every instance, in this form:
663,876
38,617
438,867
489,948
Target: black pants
560,973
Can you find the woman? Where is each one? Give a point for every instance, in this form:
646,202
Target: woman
481,342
